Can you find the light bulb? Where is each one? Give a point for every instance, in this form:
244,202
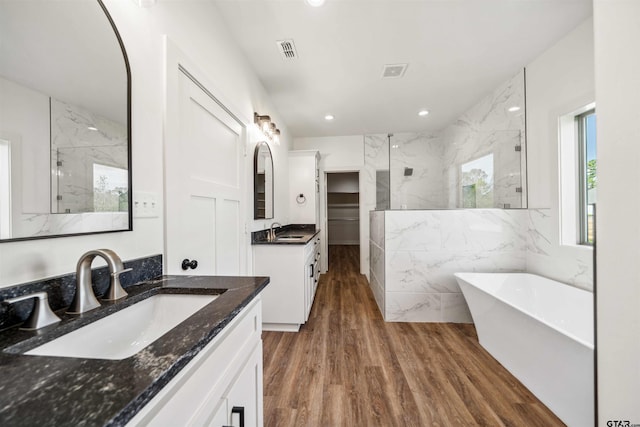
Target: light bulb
315,3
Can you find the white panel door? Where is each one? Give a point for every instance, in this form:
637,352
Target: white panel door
204,186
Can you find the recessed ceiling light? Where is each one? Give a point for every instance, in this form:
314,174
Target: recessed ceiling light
329,117
423,113
315,3
513,109
395,146
92,128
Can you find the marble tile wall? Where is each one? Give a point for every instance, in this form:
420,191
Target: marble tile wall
423,153
436,159
489,127
568,264
376,158
422,250
413,262
75,142
80,138
377,265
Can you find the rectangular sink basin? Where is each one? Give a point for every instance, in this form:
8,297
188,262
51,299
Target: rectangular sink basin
126,332
285,238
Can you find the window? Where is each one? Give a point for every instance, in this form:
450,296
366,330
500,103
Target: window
586,126
110,188
477,183
577,176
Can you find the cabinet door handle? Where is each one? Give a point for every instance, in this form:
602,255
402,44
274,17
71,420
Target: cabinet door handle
240,411
311,265
186,264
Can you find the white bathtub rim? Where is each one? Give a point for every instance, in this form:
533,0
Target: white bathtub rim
464,276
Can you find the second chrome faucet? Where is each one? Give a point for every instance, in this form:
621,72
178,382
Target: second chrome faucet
84,298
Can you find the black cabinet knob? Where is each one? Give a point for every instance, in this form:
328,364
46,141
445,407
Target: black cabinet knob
186,264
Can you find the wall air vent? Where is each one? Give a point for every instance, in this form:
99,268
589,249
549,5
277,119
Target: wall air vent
394,71
287,49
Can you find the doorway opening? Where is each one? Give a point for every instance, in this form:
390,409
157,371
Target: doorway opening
343,211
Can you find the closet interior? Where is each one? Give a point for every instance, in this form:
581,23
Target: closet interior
343,213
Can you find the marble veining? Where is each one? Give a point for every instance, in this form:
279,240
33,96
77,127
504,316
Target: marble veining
80,139
436,159
53,391
572,264
423,249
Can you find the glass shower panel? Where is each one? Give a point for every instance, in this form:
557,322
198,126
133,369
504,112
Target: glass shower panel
509,185
90,179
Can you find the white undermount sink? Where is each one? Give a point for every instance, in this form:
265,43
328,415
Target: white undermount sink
126,332
289,238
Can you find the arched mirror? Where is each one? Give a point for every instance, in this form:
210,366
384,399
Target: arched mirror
65,135
262,182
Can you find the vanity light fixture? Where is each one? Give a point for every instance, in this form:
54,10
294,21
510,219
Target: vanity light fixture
268,128
315,3
329,117
423,113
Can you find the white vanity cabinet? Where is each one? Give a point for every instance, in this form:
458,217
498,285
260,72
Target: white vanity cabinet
293,269
218,386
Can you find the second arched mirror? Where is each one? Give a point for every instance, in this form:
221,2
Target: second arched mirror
262,182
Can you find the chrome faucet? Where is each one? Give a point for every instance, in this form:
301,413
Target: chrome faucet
272,232
84,299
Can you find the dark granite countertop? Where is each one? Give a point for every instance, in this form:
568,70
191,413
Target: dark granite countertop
304,232
56,391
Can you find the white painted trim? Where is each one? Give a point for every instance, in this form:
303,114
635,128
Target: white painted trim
174,60
364,217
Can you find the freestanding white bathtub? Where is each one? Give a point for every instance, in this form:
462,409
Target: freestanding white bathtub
542,332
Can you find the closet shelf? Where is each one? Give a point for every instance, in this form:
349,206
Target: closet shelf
343,219
342,205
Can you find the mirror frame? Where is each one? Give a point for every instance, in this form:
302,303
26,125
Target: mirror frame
129,162
255,181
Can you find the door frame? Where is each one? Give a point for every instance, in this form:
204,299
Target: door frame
175,63
324,224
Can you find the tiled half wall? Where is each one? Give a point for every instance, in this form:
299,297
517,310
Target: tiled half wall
414,255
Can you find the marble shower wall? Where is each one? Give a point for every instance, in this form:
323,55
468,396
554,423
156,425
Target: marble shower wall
545,256
80,139
422,249
376,249
414,255
70,134
489,127
421,155
376,158
436,159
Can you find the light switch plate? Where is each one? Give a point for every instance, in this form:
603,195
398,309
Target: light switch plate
146,205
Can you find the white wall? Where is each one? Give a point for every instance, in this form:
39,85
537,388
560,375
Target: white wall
559,81
198,30
617,31
24,112
339,154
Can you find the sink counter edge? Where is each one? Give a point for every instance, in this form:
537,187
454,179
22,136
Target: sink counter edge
52,391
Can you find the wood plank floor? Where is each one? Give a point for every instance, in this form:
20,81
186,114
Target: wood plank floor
347,367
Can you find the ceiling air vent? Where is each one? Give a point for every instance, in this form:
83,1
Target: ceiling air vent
394,71
287,49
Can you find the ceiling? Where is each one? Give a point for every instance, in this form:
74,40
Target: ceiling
457,51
